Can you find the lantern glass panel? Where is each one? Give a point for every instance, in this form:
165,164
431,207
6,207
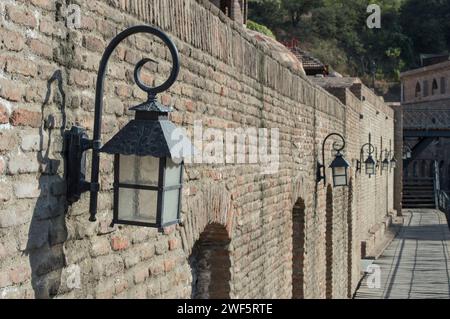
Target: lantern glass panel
137,205
172,173
139,170
340,176
385,165
170,210
370,169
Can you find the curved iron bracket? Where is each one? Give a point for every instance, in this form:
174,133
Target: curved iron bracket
321,175
75,154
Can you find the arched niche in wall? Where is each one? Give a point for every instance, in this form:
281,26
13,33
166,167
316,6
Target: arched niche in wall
210,264
434,87
298,249
418,90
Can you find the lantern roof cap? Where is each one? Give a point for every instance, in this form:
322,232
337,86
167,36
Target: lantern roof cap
339,161
370,160
157,138
152,105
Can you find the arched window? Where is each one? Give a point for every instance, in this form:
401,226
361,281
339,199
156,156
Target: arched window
443,85
434,88
418,89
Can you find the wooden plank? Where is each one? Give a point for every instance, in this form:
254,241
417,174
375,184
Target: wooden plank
416,264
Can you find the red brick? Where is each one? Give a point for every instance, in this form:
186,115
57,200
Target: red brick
169,265
189,106
4,115
2,170
123,90
44,4
8,140
23,117
40,48
173,244
140,274
119,243
19,274
81,78
87,23
93,43
10,91
165,99
21,16
21,66
13,41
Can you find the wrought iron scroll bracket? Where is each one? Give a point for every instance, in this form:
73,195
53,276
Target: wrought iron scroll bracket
321,174
77,142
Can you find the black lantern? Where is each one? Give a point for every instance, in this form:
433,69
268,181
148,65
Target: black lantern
393,162
407,152
370,164
339,165
148,151
339,168
385,164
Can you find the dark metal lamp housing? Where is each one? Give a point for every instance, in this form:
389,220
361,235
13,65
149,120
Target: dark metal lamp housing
148,152
393,162
339,168
385,164
339,165
370,166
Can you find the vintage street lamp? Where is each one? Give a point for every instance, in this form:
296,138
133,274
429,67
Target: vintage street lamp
386,162
369,162
339,165
393,161
407,153
148,152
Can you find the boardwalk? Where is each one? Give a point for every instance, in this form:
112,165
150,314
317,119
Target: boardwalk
416,264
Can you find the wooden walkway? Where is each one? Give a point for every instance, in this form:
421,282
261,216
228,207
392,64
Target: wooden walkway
416,265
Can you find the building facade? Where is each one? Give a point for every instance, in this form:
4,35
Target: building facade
426,119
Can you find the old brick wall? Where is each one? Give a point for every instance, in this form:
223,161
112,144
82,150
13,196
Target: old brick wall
227,79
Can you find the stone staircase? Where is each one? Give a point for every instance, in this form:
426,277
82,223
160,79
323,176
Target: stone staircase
418,193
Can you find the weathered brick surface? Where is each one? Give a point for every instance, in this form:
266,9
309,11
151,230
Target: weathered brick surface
226,80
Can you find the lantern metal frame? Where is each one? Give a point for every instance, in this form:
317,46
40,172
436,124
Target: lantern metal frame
391,155
407,152
77,141
369,158
339,161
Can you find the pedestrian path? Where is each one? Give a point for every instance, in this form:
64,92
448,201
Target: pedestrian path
416,264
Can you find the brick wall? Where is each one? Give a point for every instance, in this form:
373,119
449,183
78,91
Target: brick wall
227,79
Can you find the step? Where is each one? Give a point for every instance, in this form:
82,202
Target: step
419,206
431,202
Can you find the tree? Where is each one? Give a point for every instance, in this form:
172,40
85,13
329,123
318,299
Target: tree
297,8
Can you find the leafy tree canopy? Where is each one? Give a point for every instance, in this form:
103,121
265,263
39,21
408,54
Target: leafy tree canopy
336,31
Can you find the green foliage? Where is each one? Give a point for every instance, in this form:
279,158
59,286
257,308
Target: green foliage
260,28
336,31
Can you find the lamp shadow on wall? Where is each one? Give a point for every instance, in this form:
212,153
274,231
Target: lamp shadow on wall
47,232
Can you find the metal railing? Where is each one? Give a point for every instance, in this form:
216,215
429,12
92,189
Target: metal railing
441,197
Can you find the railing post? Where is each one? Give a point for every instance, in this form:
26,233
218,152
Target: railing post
437,186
